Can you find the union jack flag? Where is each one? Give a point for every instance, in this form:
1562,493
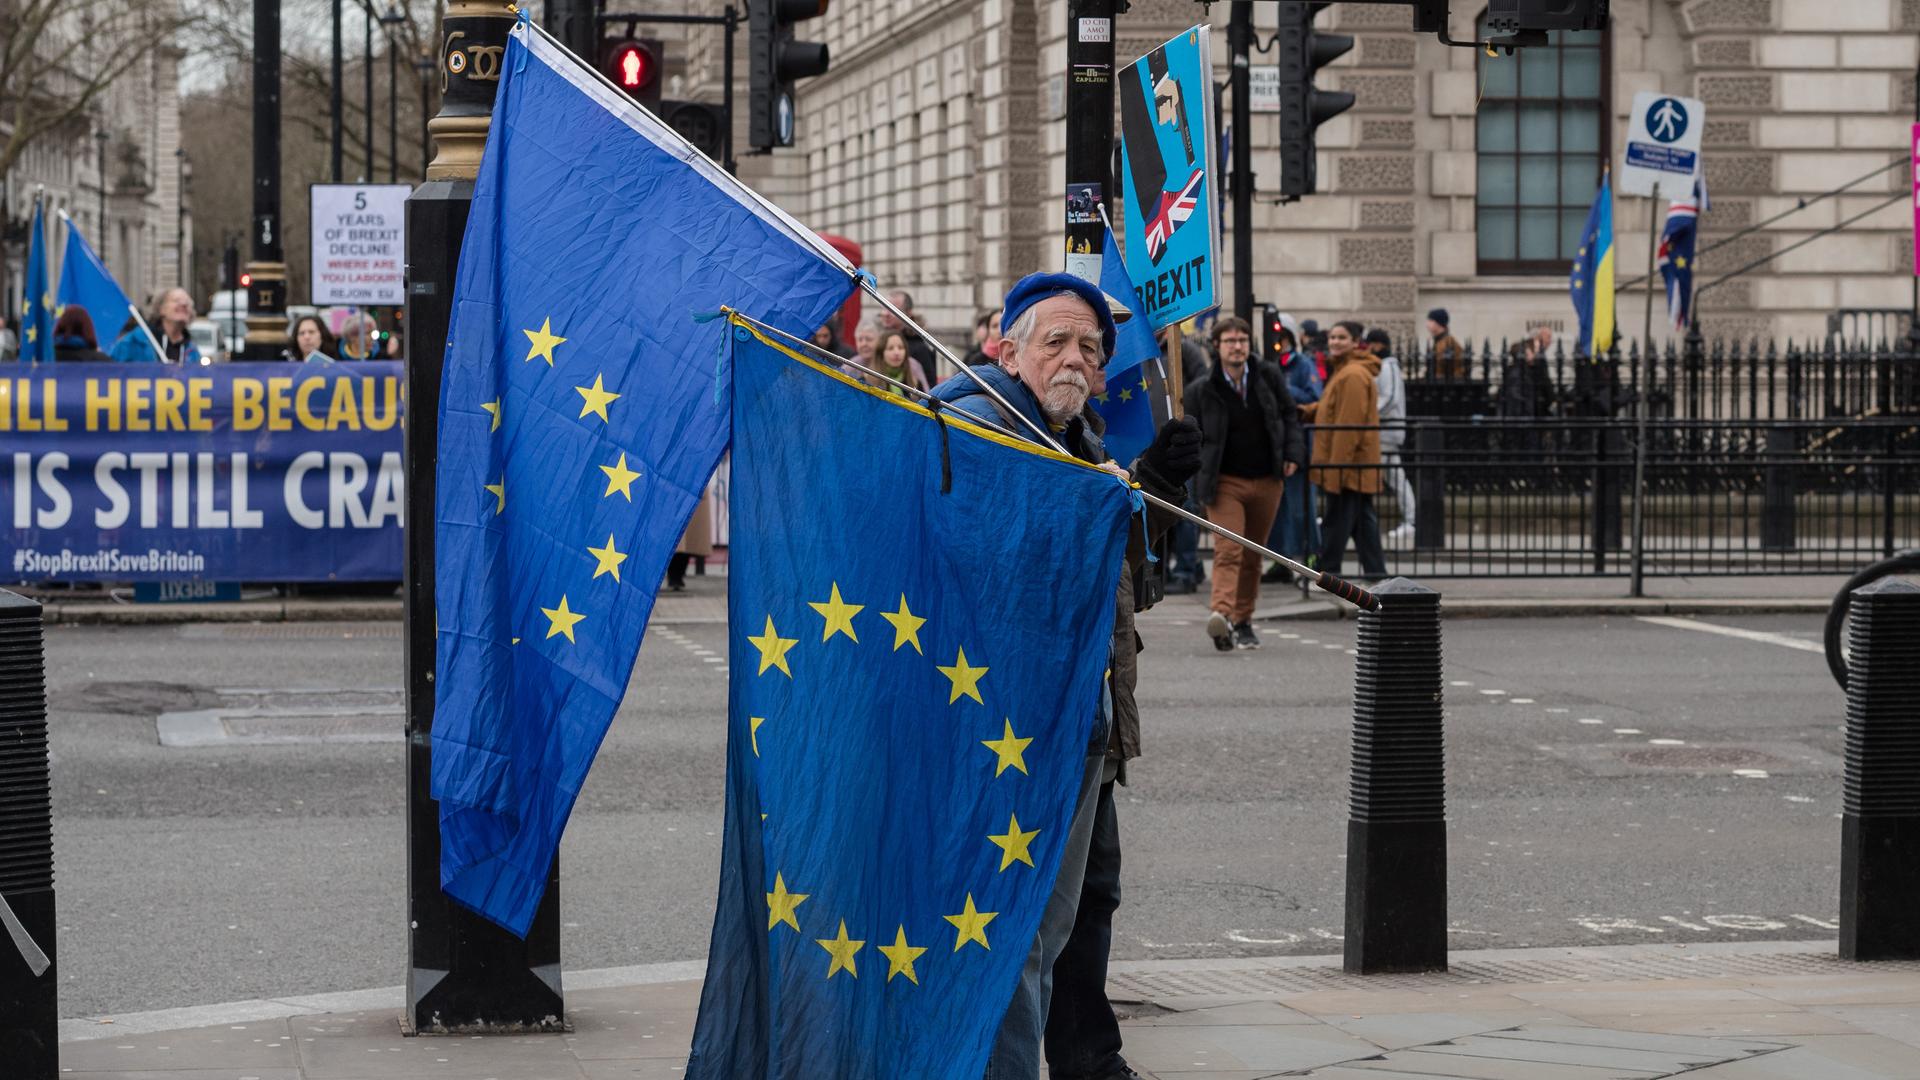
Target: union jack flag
1172,212
1675,253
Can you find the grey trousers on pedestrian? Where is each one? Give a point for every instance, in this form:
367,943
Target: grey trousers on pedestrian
1016,1049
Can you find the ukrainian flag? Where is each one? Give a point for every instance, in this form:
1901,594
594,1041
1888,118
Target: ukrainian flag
1591,285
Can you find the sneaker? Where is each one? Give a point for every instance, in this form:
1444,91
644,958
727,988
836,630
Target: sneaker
1400,536
1221,631
1244,637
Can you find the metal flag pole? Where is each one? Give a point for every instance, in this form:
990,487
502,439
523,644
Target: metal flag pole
1345,590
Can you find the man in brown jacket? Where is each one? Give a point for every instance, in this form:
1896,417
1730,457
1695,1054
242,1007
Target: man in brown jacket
1449,359
1346,462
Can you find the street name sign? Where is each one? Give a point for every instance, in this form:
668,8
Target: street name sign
1663,145
359,243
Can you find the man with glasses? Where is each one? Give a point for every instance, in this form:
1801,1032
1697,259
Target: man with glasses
1250,443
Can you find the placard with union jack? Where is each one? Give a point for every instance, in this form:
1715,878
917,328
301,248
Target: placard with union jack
1169,158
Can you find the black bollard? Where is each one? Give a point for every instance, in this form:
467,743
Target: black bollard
1880,819
29,1001
1776,507
1396,824
1429,488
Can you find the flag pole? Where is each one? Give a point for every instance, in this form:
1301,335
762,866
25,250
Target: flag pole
1345,590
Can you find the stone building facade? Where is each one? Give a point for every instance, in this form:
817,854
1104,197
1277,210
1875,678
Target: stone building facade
937,141
120,166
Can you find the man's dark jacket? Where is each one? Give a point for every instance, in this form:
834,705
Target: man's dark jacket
1209,400
1140,586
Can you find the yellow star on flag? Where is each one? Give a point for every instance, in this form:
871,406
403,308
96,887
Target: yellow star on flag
598,397
608,559
1010,749
780,904
753,732
970,925
1126,394
493,409
839,615
842,951
560,620
773,649
499,491
619,478
1143,384
33,332
900,957
966,680
543,340
1101,398
906,626
1013,844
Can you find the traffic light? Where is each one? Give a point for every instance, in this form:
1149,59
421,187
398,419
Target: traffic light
701,124
1303,107
774,61
635,65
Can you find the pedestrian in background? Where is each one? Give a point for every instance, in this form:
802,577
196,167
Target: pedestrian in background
893,360
308,341
1392,400
1250,442
1187,571
168,317
1296,528
917,346
986,338
1449,359
826,336
74,340
1346,462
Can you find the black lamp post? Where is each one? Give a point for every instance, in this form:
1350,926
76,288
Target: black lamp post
100,136
180,215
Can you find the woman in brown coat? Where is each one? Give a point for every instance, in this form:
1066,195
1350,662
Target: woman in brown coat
1346,463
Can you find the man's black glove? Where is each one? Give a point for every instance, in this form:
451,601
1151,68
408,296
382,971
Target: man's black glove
1175,454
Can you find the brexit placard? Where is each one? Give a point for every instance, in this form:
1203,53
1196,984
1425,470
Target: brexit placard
254,472
1168,178
359,248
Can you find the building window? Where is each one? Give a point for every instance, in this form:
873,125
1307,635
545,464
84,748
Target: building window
1541,139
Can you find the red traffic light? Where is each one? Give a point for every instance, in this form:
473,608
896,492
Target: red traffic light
246,281
634,65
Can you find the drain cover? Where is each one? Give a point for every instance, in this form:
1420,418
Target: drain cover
287,717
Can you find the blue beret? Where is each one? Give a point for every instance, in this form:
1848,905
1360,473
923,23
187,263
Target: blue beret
1034,288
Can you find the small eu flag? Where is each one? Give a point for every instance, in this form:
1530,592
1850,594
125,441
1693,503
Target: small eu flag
85,283
36,319
907,735
1591,284
1135,384
582,412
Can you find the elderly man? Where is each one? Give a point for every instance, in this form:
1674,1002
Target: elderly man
169,320
1056,332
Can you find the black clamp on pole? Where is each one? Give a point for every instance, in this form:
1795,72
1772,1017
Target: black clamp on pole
1396,824
1880,818
29,1000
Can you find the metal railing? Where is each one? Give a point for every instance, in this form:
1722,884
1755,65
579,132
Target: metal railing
1721,381
1557,498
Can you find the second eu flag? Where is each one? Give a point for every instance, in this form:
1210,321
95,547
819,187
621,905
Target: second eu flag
908,734
582,412
1591,284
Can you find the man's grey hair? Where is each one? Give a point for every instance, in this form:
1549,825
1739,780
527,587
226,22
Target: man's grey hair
1022,329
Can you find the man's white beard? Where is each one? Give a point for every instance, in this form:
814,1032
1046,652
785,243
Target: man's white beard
1066,396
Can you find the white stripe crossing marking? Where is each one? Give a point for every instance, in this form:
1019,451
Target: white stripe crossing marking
1781,640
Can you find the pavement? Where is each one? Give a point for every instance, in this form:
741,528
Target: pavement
1746,1011
1460,597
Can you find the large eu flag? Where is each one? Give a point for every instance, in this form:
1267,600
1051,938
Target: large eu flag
907,733
582,412
1136,387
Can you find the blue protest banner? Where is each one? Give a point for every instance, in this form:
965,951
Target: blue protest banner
259,472
1169,175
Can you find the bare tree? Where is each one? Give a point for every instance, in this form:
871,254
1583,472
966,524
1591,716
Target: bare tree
57,57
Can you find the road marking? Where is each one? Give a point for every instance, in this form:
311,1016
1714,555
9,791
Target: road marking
1781,640
1684,924
1590,720
1751,774
1811,921
1667,742
1628,731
